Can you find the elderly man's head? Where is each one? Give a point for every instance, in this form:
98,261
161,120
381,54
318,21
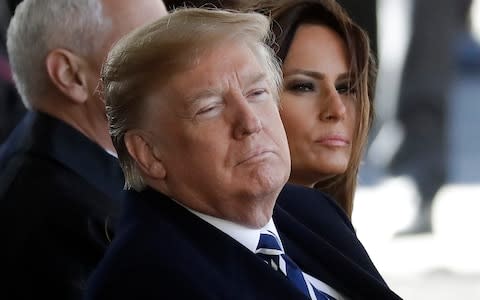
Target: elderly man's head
50,40
192,101
56,48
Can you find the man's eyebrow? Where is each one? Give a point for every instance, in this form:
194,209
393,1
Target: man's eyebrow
257,77
209,92
201,94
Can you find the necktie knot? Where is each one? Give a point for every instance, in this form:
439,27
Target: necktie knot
271,251
269,244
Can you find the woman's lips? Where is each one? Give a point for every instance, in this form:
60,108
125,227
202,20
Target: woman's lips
333,141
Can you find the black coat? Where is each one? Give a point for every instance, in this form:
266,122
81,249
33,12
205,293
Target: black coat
163,251
59,196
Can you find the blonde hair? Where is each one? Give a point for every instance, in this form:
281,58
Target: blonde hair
153,53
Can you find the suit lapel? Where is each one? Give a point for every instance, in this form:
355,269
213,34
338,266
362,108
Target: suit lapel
241,274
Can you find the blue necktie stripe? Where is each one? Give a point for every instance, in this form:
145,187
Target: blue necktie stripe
269,250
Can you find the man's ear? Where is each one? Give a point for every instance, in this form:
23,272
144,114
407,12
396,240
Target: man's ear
68,72
142,150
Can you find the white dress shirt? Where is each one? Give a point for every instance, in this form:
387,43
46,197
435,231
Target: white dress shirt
249,238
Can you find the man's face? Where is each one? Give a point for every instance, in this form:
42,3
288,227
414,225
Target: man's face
220,138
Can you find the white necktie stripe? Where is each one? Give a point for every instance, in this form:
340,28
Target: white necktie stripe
268,251
310,289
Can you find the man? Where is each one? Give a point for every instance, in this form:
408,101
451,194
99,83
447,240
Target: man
60,182
192,105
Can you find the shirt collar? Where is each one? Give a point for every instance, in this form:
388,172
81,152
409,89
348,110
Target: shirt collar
249,238
246,236
41,135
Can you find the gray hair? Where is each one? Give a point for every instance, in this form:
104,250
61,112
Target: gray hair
172,44
39,26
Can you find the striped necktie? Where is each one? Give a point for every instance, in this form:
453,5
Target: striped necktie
270,250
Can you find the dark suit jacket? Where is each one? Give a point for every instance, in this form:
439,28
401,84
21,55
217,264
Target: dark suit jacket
58,194
163,251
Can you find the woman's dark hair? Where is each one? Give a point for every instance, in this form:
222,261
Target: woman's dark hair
287,16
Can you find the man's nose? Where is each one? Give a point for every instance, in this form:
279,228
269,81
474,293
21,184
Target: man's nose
246,118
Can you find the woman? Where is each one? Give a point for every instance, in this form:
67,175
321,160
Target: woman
327,99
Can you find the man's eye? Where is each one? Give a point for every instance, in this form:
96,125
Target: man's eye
208,109
259,94
205,110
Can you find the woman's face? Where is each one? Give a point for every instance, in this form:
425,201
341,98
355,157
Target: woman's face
319,110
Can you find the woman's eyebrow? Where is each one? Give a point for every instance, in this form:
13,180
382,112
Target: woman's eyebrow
314,74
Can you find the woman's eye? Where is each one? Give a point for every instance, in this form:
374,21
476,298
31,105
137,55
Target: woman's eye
345,89
301,87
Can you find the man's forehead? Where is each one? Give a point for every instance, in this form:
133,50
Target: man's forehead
216,66
199,84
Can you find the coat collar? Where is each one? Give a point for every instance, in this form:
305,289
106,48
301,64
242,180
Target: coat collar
321,259
42,135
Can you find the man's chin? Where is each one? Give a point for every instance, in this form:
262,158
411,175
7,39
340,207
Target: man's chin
265,187
257,215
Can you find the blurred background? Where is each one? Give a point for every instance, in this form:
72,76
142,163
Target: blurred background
441,262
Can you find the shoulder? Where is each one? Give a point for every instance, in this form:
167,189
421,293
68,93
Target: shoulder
47,216
29,175
319,215
311,205
36,162
43,198
150,249
29,133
